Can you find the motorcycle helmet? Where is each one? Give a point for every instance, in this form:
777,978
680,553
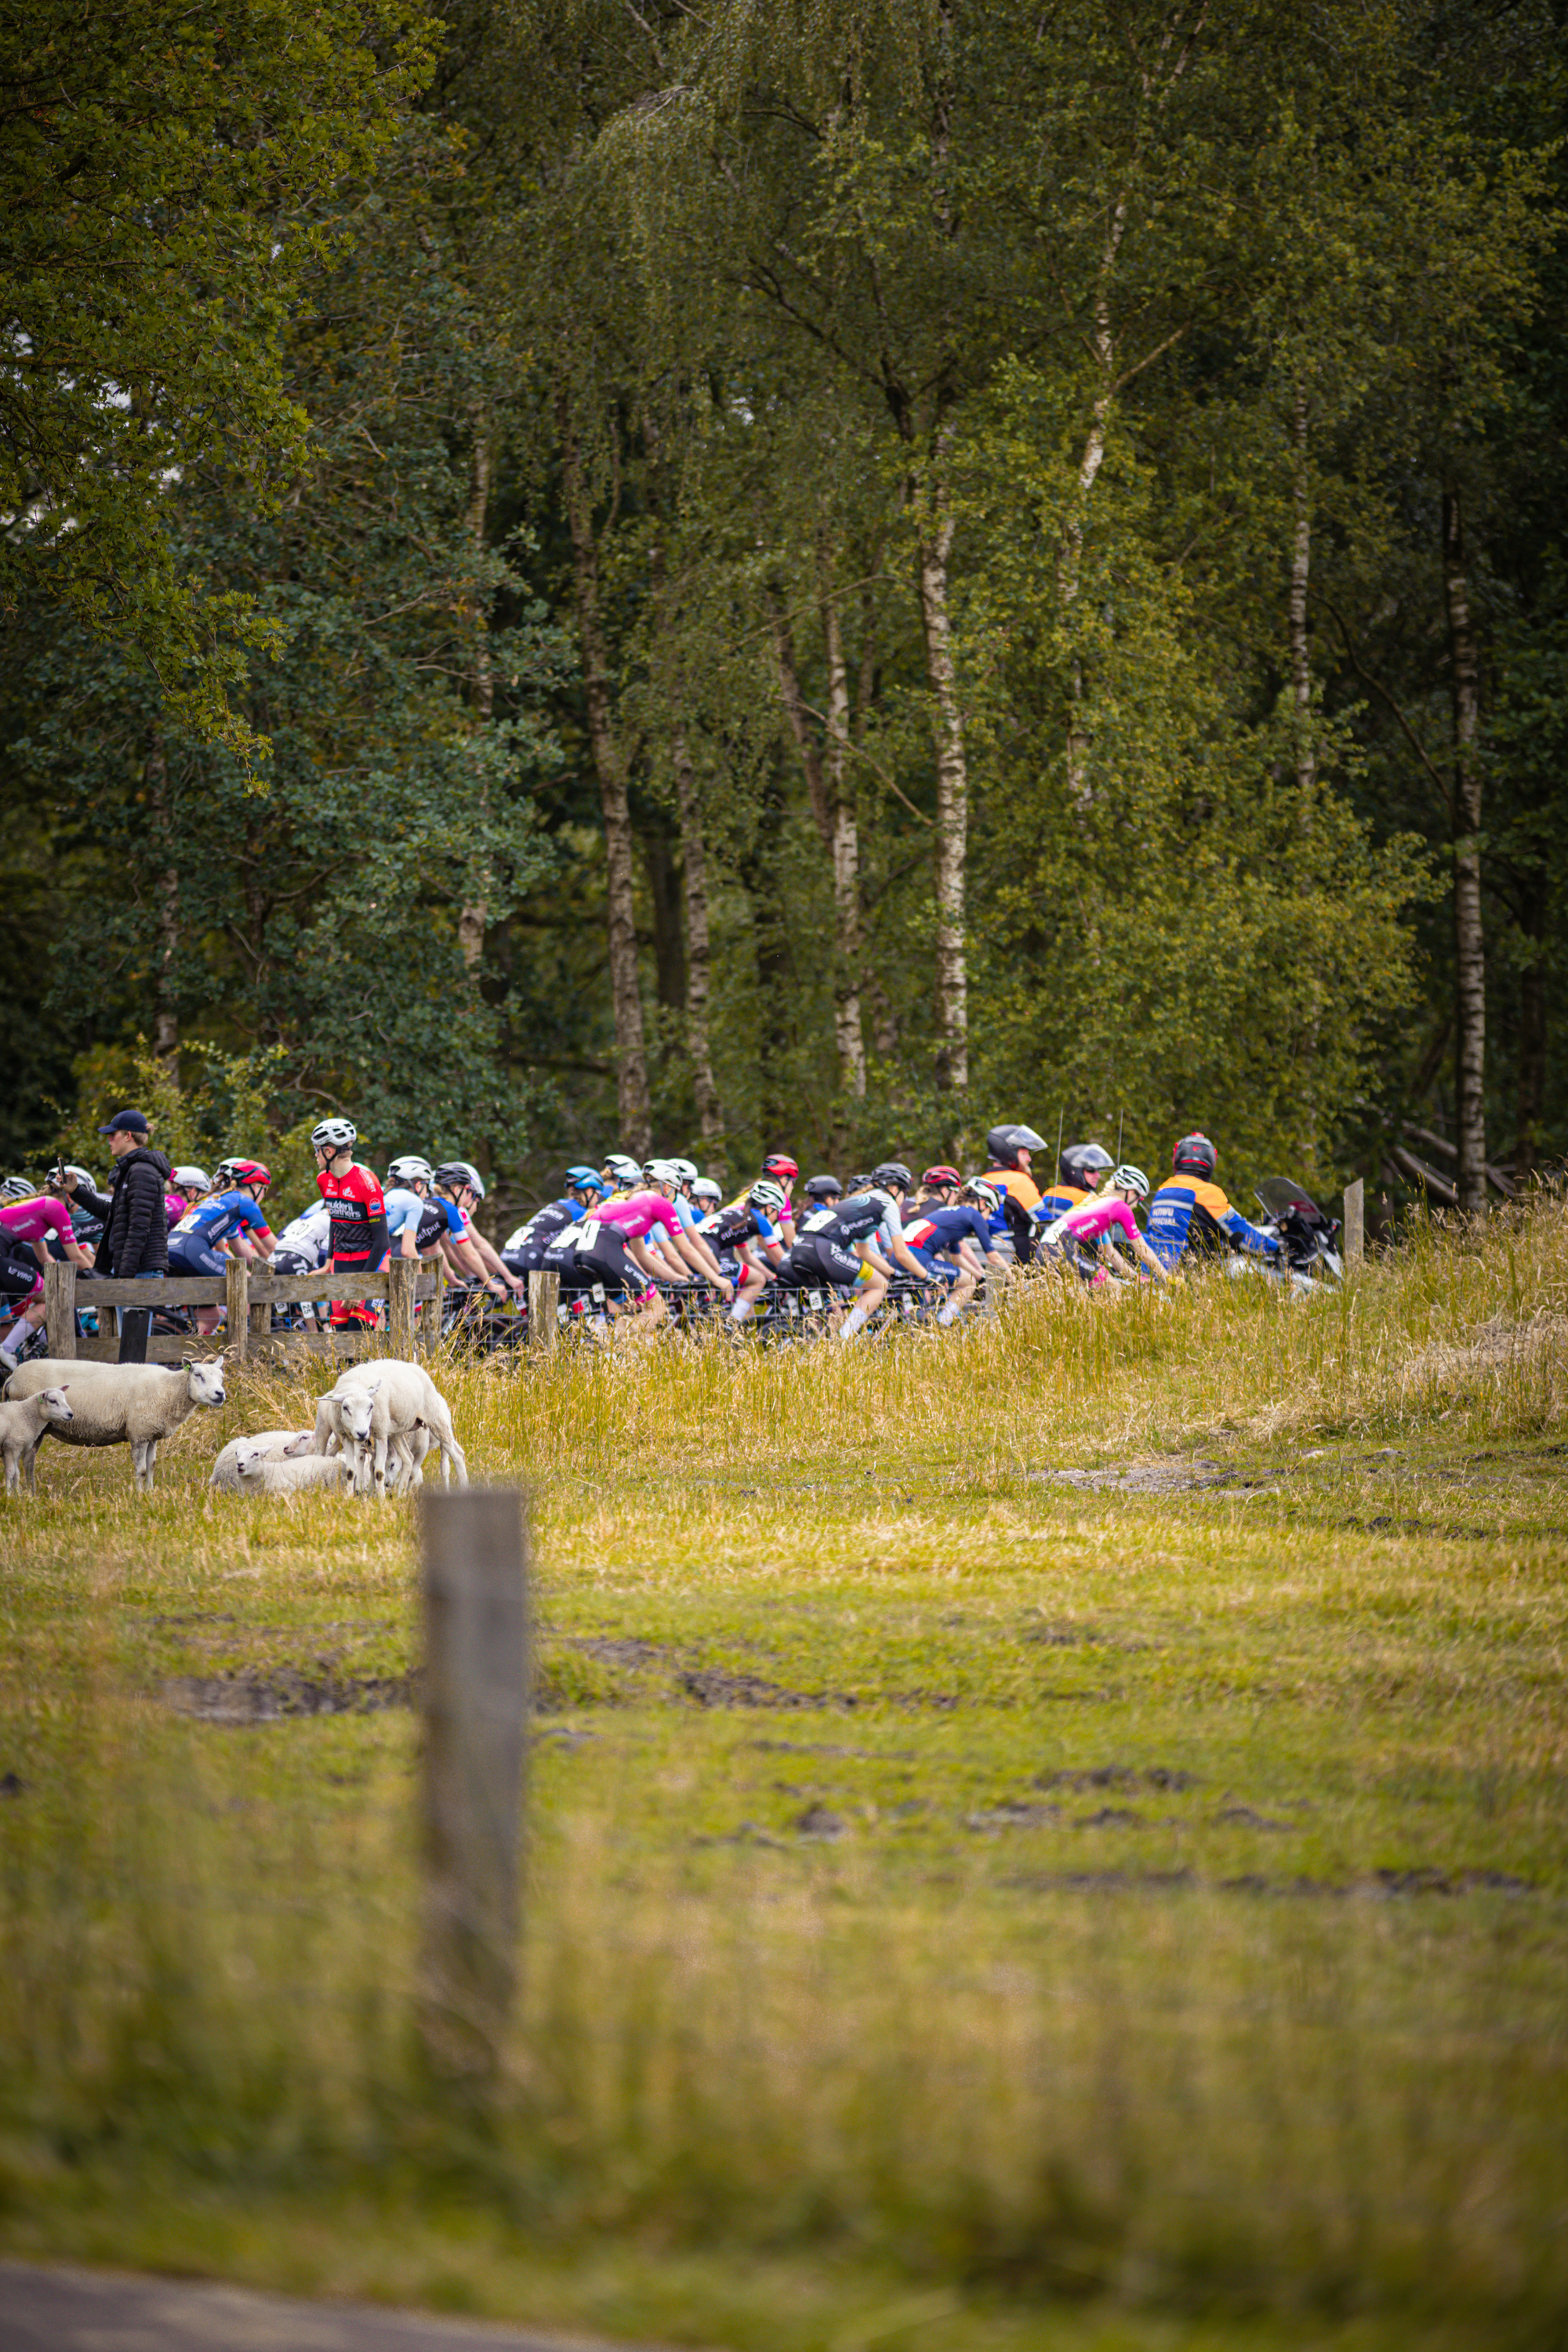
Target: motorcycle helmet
334,1135
823,1188
1082,1162
1004,1143
1195,1155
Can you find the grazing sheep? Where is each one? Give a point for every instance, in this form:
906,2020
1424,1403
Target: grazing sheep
260,1473
21,1426
375,1403
122,1404
278,1445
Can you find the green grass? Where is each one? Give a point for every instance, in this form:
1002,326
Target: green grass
966,1908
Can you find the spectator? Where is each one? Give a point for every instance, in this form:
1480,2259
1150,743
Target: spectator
135,1243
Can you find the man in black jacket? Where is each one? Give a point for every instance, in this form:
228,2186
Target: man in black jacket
135,1230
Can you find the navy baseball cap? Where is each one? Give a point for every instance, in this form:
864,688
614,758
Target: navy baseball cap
130,1121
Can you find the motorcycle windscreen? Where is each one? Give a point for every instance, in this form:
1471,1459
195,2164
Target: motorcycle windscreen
1279,1195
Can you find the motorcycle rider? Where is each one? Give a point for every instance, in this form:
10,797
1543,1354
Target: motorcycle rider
1010,1153
1189,1215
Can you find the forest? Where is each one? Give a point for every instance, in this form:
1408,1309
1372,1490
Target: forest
662,574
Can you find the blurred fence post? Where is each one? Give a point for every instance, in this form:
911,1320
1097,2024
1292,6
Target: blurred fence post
237,1300
1355,1223
60,1307
476,1723
402,1274
543,1300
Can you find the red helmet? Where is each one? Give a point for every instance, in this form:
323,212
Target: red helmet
1194,1156
780,1166
243,1171
942,1176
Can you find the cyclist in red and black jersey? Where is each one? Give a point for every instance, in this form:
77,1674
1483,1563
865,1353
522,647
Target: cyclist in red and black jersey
358,1211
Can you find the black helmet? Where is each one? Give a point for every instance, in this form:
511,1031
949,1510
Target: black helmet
1004,1143
1082,1160
823,1188
863,1182
1194,1156
893,1171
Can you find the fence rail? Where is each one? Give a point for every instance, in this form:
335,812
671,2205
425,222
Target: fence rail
413,1294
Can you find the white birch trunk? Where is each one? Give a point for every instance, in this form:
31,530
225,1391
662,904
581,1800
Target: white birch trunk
1470,990
698,955
1300,573
844,846
473,917
934,547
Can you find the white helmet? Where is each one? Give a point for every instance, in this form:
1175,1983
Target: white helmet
332,1134
770,1198
660,1171
705,1189
16,1188
184,1180
410,1170
686,1170
988,1195
624,1170
1128,1179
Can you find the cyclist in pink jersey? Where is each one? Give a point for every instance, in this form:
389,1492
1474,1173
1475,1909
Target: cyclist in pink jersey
1107,1217
630,1246
26,1227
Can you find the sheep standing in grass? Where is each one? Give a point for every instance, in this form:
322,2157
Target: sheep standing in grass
21,1426
278,1445
375,1404
259,1473
122,1404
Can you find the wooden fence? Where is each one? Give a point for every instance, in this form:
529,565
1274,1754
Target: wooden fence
413,1293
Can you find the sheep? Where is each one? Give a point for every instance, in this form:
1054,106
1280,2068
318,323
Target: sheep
122,1404
375,1403
260,1473
21,1426
278,1445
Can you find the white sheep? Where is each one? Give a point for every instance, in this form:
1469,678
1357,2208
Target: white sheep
21,1426
260,1473
375,1403
122,1404
278,1445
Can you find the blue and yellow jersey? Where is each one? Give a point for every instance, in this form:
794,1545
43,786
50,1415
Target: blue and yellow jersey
1058,1201
1189,1214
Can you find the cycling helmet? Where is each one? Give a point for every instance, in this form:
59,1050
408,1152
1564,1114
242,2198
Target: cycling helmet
893,1171
410,1170
453,1174
941,1175
1082,1161
582,1179
16,1188
770,1198
624,1170
660,1171
686,1170
187,1180
1004,1143
823,1188
985,1195
85,1175
705,1189
1194,1156
1128,1179
861,1183
332,1134
254,1173
780,1165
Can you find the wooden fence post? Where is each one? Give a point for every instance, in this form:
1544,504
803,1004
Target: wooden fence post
60,1307
402,1274
476,1721
543,1299
237,1299
1355,1223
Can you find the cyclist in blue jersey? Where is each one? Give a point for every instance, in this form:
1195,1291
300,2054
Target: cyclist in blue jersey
735,1236
457,1188
954,1239
229,1223
690,1244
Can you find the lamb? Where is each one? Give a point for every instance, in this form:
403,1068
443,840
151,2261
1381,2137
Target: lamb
260,1473
122,1404
373,1405
278,1445
21,1426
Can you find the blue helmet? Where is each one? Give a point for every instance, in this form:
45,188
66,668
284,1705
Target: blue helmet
586,1180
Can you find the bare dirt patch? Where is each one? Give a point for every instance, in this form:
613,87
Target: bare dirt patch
282,1692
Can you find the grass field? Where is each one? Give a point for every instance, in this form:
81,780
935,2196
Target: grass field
1051,1835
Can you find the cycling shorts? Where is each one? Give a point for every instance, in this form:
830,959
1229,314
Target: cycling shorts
19,1277
291,1262
816,1259
187,1255
609,1265
942,1269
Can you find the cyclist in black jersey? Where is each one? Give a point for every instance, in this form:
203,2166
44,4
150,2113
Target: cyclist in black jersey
525,1252
735,1236
845,1250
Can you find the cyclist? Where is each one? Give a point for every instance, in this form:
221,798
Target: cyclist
621,1175
229,1222
1011,1150
736,1235
1104,1218
186,1186
952,1239
823,1194
846,1251
707,1195
1190,1214
610,1249
459,1187
525,1250
29,1221
694,1252
358,1211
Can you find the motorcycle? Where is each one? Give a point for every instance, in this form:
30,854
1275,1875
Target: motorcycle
1307,1259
